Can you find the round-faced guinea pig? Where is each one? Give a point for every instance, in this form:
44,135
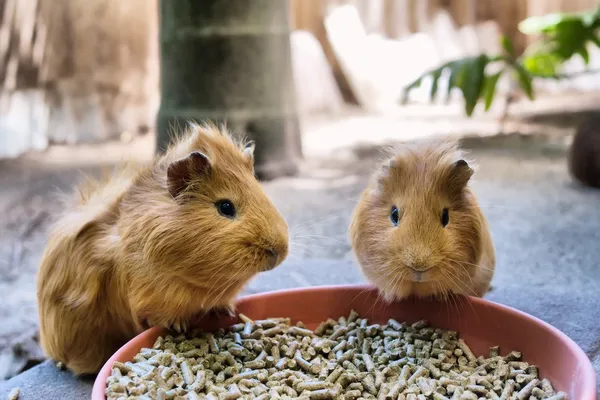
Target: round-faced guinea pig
155,245
418,230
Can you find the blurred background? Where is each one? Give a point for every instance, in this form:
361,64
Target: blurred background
320,85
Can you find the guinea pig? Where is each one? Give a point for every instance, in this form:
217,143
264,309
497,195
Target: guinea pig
417,229
155,244
584,155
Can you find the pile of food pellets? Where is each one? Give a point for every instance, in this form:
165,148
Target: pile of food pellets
346,358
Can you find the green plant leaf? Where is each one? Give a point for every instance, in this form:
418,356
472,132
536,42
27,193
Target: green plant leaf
584,54
525,80
454,70
451,79
507,46
471,81
551,22
540,24
435,75
542,64
415,84
591,18
570,38
594,20
490,89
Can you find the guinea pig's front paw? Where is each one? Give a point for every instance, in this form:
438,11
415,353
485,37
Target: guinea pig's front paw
178,325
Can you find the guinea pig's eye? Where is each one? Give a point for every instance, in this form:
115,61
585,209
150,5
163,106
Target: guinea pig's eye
394,215
225,208
445,217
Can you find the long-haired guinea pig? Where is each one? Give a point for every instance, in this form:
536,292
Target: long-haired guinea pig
156,245
418,229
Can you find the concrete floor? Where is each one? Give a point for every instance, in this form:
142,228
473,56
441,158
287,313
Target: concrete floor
545,227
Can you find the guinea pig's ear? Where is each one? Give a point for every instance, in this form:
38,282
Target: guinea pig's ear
249,150
181,172
386,170
460,173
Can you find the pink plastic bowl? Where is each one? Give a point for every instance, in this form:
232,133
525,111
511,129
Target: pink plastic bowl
480,322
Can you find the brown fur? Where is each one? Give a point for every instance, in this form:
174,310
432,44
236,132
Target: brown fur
127,252
420,180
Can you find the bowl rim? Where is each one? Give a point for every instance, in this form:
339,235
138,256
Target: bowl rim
586,367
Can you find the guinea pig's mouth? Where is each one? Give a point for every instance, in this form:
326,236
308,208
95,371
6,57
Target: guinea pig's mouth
272,259
421,275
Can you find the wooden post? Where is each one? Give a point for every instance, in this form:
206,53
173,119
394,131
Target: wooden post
309,15
399,14
390,23
413,23
508,14
464,12
231,61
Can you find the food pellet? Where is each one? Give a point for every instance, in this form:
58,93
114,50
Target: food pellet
14,394
346,358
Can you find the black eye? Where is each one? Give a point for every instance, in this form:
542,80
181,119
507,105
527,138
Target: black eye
225,208
394,215
445,217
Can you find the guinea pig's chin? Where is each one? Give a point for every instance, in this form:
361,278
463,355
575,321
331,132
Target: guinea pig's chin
417,289
266,266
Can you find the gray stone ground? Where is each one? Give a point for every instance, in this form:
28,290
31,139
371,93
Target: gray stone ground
546,230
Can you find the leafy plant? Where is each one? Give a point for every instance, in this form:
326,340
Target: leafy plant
561,36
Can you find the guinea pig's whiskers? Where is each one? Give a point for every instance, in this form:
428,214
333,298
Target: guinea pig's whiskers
380,299
315,237
309,245
359,294
254,258
229,283
452,298
212,278
441,291
314,224
296,254
454,304
469,291
454,263
388,273
395,281
220,286
389,278
464,262
299,250
297,244
463,286
476,265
